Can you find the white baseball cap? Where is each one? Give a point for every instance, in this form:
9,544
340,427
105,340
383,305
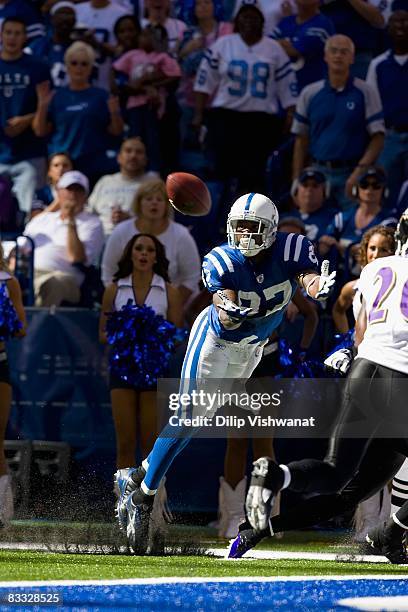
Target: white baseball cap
62,4
73,177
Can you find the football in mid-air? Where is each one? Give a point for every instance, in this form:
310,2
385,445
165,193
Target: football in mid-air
188,194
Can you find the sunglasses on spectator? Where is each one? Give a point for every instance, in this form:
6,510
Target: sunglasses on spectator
367,185
78,63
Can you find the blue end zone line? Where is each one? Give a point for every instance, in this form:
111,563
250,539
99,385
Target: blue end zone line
198,580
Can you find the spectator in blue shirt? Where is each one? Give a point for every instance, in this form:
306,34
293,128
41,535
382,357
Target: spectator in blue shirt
360,20
348,227
310,194
79,118
25,11
303,37
53,46
22,155
46,197
338,122
388,75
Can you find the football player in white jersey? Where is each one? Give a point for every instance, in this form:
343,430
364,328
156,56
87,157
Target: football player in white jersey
252,279
381,366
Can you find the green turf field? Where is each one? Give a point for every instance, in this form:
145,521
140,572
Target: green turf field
44,565
23,565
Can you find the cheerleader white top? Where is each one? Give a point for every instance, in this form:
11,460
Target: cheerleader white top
156,297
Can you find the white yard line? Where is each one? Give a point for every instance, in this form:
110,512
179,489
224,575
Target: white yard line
195,580
314,556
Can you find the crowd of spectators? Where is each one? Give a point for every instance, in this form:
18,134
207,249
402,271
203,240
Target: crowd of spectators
119,93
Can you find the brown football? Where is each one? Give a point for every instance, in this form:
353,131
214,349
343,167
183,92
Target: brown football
188,194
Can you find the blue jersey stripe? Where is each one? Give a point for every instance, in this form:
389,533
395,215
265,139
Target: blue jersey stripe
217,262
375,117
225,257
285,74
283,67
301,119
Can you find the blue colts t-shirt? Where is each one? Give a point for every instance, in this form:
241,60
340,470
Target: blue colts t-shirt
267,287
18,80
80,121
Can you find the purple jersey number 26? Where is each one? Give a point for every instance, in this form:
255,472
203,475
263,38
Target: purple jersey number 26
388,279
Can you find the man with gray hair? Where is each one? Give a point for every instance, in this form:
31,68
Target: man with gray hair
338,123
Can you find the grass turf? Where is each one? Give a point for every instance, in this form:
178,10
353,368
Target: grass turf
24,565
30,565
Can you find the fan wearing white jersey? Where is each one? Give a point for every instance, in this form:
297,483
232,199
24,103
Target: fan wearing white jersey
251,78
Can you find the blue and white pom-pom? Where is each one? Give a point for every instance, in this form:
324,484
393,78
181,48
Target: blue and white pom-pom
142,343
10,324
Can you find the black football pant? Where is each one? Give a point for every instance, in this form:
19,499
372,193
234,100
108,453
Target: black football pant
381,462
385,392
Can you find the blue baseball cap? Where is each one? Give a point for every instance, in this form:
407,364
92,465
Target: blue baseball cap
312,173
373,172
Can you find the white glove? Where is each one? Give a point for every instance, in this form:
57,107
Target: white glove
340,361
326,282
258,506
233,310
260,496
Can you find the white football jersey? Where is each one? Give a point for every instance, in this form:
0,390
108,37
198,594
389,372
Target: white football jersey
247,79
384,286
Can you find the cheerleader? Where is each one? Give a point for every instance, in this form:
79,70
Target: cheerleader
142,277
13,292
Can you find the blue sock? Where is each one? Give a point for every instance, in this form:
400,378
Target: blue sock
164,451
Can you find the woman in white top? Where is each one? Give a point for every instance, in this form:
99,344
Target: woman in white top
142,277
14,293
153,216
376,242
